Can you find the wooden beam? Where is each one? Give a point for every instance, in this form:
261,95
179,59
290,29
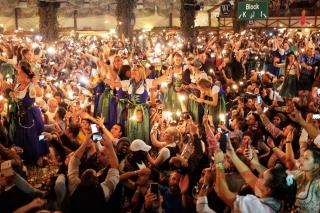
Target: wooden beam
75,22
170,19
215,7
16,17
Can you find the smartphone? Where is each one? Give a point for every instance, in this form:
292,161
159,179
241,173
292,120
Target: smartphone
154,189
94,128
259,99
96,137
265,109
316,116
227,135
42,138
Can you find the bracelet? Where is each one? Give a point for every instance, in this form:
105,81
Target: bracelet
273,148
220,166
288,142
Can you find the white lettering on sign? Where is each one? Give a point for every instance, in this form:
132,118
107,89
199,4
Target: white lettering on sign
252,7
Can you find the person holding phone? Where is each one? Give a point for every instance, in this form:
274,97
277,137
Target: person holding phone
153,200
166,152
268,188
86,193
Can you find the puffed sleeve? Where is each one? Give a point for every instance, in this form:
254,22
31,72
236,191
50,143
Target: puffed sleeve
125,85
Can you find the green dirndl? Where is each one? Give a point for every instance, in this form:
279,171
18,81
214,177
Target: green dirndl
121,108
216,111
104,104
135,129
171,98
289,88
193,108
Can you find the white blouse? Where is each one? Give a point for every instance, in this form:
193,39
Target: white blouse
21,94
126,86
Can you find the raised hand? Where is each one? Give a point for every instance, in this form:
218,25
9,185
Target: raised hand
270,143
184,184
230,149
37,203
296,116
100,121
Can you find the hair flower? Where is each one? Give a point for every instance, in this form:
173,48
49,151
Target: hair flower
289,180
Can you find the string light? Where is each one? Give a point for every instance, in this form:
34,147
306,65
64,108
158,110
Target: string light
51,50
222,117
182,98
234,86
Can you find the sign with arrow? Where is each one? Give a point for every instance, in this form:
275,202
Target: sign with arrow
253,10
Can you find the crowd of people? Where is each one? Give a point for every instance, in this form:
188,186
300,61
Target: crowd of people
160,123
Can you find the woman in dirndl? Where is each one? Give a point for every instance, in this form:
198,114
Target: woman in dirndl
26,120
289,88
137,87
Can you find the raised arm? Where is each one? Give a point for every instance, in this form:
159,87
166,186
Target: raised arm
277,151
155,142
221,188
73,167
112,179
270,127
243,169
290,160
100,122
312,131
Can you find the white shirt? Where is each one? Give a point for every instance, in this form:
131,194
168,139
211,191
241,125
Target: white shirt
250,204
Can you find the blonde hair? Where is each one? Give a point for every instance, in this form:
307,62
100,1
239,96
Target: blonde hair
141,71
